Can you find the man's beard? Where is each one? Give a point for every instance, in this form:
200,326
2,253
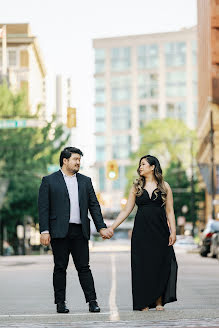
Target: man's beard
75,170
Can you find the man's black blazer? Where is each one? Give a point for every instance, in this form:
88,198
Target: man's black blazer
54,205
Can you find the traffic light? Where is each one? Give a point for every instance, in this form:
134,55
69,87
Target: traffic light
112,170
71,117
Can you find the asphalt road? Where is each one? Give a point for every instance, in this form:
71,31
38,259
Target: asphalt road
26,294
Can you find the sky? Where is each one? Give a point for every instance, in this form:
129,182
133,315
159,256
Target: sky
65,29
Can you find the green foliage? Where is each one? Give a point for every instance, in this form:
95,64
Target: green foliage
12,105
24,156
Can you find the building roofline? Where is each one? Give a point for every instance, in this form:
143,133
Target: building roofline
156,34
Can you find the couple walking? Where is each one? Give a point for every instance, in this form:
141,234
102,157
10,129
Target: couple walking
64,200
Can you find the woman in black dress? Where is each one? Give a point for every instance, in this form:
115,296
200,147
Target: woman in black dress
154,266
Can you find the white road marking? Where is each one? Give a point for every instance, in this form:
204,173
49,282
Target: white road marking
114,314
48,315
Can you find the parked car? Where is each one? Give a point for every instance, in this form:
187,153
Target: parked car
206,238
214,248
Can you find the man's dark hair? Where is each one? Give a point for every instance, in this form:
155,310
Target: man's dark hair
67,152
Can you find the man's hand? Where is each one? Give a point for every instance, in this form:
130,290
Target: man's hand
106,233
45,239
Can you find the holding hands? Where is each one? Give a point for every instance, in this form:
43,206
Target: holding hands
106,233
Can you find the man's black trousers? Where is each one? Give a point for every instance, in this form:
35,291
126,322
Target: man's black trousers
77,245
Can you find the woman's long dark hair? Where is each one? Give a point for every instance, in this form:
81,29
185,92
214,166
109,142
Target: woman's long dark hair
140,182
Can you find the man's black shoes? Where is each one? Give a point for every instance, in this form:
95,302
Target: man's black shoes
93,306
61,308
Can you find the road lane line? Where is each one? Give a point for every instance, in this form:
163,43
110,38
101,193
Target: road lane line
114,314
48,315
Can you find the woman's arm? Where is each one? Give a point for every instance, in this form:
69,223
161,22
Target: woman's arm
170,214
126,211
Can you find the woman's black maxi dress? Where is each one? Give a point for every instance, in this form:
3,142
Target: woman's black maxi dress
154,266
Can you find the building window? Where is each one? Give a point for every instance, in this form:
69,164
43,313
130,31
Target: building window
195,83
102,178
121,147
121,118
100,90
100,148
99,60
176,84
175,54
147,56
120,59
147,113
176,111
12,58
148,86
121,88
100,119
120,183
194,52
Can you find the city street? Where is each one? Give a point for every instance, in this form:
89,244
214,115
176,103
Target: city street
27,294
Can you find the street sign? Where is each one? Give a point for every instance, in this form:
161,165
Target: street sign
25,123
8,124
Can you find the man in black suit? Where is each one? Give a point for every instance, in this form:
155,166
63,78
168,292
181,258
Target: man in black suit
64,200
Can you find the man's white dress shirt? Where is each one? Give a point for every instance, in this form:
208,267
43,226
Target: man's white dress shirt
72,186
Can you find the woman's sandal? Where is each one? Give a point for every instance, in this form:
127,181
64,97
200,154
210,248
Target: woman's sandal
159,308
145,309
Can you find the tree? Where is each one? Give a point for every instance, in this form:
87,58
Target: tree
24,156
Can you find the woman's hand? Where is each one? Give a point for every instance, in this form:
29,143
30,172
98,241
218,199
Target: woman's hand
172,239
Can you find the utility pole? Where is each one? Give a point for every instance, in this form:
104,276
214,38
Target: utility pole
192,190
212,165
